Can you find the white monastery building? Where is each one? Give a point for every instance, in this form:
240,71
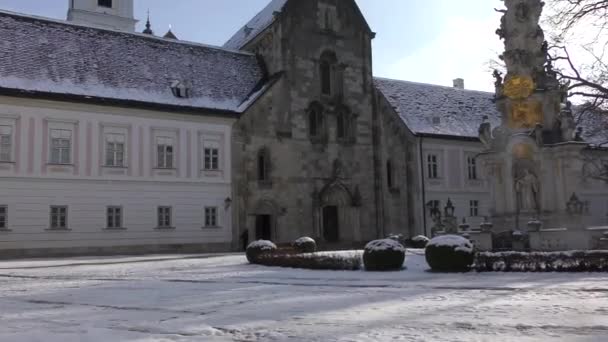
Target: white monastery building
113,141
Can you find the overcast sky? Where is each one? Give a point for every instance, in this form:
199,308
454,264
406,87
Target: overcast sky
431,41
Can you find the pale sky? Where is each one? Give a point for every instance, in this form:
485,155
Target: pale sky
431,41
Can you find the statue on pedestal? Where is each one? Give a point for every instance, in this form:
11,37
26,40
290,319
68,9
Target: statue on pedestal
527,190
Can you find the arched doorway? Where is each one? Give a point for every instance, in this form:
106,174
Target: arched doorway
264,216
339,219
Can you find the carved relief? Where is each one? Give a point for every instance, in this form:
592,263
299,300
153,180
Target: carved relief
525,114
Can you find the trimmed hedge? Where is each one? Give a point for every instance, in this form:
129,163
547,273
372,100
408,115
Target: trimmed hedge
383,255
450,253
305,245
259,248
419,241
314,261
573,261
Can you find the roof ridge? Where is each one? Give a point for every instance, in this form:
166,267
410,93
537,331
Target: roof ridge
135,34
432,85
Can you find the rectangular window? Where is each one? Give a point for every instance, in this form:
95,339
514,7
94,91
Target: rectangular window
212,158
472,168
104,3
115,150
61,146
114,217
164,217
59,217
164,147
211,217
433,166
6,143
474,208
3,217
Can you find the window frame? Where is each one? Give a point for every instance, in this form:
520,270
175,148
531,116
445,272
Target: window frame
165,159
167,217
3,217
55,222
262,165
6,148
390,175
473,208
472,171
432,161
211,158
64,153
211,219
316,123
111,213
114,152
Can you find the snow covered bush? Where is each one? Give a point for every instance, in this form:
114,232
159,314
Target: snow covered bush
259,248
573,261
383,255
449,253
336,261
305,245
419,241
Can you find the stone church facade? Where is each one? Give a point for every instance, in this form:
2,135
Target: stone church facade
316,155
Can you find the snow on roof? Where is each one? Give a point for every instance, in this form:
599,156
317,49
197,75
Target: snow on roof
595,126
439,110
41,55
256,25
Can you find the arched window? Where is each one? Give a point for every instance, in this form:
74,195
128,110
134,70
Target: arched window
390,174
344,125
327,70
315,121
263,165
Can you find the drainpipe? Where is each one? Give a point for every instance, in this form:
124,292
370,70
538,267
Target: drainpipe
422,183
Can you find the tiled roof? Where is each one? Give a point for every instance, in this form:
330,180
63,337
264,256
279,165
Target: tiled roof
256,25
50,56
438,110
429,109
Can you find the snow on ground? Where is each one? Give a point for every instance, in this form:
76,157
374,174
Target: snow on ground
222,298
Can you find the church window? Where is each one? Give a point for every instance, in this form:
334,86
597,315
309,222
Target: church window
59,217
474,208
6,143
263,165
61,146
164,152
327,70
315,122
104,3
472,167
115,150
3,217
390,174
211,157
433,166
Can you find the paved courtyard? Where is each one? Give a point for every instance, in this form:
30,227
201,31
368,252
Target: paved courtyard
222,298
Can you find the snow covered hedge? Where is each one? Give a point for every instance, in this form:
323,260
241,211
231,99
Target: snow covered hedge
449,253
383,255
305,245
259,248
343,261
419,241
573,261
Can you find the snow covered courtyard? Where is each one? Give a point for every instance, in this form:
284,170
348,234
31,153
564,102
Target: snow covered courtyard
222,298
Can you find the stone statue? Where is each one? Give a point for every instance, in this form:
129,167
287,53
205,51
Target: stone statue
338,170
485,133
522,12
498,80
567,124
527,190
537,134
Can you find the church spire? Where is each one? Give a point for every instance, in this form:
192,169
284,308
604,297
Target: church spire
148,29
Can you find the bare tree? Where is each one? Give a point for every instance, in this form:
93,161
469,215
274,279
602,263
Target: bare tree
589,80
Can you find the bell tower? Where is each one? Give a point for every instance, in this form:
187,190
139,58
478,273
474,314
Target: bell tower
111,14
